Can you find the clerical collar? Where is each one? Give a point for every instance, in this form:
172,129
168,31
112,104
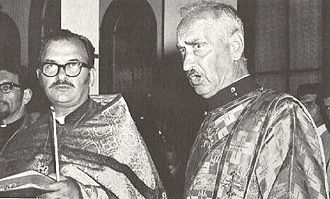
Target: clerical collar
61,119
232,92
15,124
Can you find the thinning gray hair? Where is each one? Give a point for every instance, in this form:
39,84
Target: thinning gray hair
225,14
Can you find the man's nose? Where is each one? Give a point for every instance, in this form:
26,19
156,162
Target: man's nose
61,73
188,62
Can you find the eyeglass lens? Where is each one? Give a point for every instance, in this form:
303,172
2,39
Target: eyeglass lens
72,69
7,87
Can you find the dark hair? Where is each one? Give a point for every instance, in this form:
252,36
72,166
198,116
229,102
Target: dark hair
56,35
21,71
317,89
311,88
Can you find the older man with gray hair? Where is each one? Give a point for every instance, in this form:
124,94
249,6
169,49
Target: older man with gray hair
253,142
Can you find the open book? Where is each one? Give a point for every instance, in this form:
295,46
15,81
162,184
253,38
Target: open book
24,185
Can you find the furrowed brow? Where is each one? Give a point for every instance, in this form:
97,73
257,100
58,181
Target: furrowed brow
74,60
193,42
48,61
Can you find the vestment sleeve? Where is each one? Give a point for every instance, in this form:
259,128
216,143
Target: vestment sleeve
114,160
86,192
291,163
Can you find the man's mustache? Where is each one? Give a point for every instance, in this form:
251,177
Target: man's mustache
192,72
61,82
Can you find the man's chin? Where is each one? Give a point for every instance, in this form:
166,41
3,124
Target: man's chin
61,97
61,101
204,91
60,93
201,91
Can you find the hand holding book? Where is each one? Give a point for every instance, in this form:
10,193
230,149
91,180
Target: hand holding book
29,184
63,188
26,184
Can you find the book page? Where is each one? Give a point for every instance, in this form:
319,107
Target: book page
24,185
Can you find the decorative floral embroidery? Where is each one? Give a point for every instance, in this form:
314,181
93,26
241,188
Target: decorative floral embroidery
41,163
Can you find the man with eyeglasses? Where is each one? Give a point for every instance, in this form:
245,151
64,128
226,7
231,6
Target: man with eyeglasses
101,153
14,97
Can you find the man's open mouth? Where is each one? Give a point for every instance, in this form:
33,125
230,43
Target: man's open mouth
195,78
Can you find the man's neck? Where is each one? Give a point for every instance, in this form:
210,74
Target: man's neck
240,71
237,75
62,111
15,124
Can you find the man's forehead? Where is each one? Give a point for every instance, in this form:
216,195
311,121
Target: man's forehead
6,76
192,29
194,23
66,48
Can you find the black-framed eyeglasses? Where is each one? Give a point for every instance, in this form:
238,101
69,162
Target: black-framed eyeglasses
7,87
71,69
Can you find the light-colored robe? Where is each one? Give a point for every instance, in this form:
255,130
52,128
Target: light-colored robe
323,132
261,145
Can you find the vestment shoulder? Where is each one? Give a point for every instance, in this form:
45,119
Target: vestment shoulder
107,98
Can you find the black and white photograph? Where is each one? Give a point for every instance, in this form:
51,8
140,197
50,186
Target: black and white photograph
165,99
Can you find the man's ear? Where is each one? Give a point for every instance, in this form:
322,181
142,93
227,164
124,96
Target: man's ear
92,74
27,96
236,42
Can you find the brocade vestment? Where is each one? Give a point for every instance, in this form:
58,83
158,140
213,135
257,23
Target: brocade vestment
323,132
256,143
99,148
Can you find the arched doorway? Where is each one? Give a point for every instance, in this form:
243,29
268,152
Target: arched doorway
10,41
128,47
44,16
